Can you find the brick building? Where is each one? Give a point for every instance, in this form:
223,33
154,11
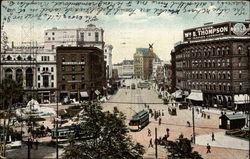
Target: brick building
80,72
216,61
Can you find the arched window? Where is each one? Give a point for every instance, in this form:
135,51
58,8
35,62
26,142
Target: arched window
8,73
19,75
29,58
9,58
19,58
29,77
218,52
239,49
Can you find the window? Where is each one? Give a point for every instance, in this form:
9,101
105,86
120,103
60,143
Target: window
46,33
82,36
73,68
82,67
73,77
63,87
89,34
53,33
52,47
240,74
39,85
63,68
83,77
53,38
73,86
48,38
43,68
82,58
63,59
96,36
52,77
52,69
63,78
38,77
45,81
83,86
240,86
239,50
38,69
52,84
73,59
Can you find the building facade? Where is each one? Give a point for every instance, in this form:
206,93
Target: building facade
118,67
91,36
80,71
33,67
108,59
215,61
128,68
143,63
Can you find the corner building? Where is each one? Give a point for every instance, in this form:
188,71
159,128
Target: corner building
217,63
80,72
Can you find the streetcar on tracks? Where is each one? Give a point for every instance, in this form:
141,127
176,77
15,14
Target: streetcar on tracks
139,121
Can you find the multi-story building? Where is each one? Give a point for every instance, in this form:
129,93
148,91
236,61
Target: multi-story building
143,63
167,76
157,62
215,60
91,36
80,72
108,59
33,67
118,67
128,68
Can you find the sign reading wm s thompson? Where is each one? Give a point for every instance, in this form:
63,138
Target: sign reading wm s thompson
217,30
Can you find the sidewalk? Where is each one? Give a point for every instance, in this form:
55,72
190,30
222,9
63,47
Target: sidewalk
222,140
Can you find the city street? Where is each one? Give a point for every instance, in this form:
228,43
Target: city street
176,124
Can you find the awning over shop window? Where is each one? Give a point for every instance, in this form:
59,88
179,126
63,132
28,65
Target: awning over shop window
195,95
84,94
97,92
241,99
177,94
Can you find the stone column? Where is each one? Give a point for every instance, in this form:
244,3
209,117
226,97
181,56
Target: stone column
24,78
34,77
14,74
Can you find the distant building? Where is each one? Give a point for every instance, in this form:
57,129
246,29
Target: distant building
91,36
80,72
157,62
128,68
143,63
216,60
108,59
118,67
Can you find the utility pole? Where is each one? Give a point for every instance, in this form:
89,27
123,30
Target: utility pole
156,152
193,124
57,125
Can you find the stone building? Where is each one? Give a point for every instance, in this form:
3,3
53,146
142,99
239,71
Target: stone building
91,36
108,59
215,60
80,72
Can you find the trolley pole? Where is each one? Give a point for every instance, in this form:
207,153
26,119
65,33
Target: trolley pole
193,125
156,152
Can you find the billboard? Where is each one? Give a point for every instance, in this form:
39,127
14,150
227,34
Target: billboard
216,30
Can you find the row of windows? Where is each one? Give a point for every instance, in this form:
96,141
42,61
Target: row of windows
224,87
73,68
39,85
73,59
45,58
221,51
46,69
53,33
19,58
73,77
73,86
39,77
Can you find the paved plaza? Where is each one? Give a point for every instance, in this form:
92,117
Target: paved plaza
225,147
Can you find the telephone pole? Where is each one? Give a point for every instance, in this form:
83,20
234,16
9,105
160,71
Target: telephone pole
193,124
156,152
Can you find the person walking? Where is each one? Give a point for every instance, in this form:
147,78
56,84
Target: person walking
213,139
36,143
208,148
160,121
149,132
150,143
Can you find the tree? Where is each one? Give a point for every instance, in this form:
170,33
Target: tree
10,92
108,137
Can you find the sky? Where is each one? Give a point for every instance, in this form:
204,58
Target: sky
125,31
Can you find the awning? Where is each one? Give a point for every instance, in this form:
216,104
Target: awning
177,94
97,92
196,95
241,99
84,94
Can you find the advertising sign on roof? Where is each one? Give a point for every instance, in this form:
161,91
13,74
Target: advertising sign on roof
217,30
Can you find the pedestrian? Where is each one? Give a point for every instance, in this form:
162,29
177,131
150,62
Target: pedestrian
213,139
181,136
162,114
160,121
192,139
150,143
36,143
145,105
149,132
188,123
208,148
205,115
167,130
